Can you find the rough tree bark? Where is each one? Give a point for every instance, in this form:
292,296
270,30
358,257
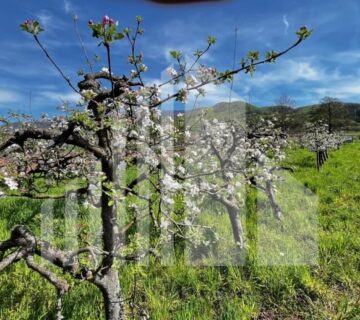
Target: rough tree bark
269,189
109,285
236,225
108,279
234,215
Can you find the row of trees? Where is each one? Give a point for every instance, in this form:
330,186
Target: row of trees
330,111
322,133
120,130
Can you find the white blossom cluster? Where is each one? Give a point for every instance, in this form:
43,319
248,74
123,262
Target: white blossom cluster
213,160
318,138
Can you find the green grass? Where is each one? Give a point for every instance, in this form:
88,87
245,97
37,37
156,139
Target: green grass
326,212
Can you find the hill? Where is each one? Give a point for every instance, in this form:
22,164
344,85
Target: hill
346,117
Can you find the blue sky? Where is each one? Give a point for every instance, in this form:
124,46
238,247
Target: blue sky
327,64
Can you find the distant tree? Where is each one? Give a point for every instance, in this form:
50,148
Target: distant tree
318,139
332,112
284,108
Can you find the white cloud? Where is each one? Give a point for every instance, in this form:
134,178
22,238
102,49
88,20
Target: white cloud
213,95
161,51
60,96
346,91
286,23
289,71
68,7
216,94
23,69
8,96
307,78
350,56
45,19
51,22
305,71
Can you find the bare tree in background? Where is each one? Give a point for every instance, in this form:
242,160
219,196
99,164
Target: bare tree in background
285,106
333,112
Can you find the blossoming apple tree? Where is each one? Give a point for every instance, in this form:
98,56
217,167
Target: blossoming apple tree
121,128
318,139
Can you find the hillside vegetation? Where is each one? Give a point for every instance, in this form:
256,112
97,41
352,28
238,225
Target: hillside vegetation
347,117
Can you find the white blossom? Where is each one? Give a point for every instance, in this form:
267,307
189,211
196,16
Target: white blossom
12,184
171,72
105,69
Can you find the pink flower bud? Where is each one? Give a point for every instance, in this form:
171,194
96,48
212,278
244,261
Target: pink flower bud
28,22
106,20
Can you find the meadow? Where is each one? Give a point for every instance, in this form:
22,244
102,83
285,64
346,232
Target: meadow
319,237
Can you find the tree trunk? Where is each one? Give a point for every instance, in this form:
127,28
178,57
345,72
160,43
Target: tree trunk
109,285
271,195
154,230
233,212
111,235
179,240
237,230
318,160
108,280
236,226
179,208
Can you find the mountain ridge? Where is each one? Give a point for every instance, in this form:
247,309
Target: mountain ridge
345,115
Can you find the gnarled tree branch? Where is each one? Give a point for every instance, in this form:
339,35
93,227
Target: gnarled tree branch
60,284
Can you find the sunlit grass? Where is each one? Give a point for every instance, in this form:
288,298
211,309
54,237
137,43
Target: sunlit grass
328,289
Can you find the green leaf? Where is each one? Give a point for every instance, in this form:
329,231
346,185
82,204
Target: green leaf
198,53
119,36
175,54
304,32
32,27
97,30
243,63
111,30
253,55
24,27
250,70
271,56
211,40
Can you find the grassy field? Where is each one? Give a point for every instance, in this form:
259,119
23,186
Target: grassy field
307,267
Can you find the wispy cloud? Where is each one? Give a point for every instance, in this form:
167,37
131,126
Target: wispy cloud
344,90
288,71
22,70
350,56
71,8
286,23
68,6
52,22
60,96
215,94
45,19
8,96
307,78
